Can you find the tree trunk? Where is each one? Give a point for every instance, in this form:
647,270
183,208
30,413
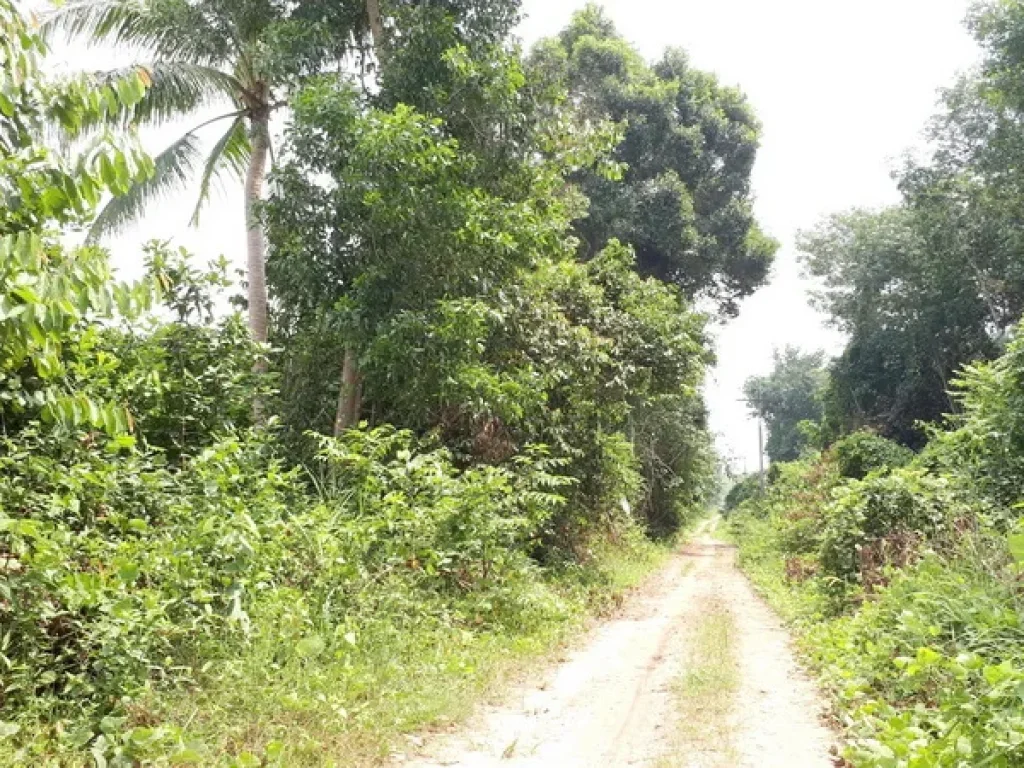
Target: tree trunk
349,395
256,267
376,23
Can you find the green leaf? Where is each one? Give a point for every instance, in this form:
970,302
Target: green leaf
172,171
107,172
187,756
275,751
53,199
1016,544
310,647
230,156
111,724
127,570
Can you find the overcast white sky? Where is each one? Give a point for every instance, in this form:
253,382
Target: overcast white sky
842,88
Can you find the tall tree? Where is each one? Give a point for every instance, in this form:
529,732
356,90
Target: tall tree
378,213
242,55
933,283
910,321
786,397
452,62
688,148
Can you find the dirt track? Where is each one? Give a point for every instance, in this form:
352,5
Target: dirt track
613,702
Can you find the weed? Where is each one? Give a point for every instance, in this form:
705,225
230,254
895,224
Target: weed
706,690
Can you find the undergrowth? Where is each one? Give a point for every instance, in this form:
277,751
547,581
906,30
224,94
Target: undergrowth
903,582
353,708
224,615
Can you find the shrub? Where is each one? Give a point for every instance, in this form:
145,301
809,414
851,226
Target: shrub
880,518
930,670
794,502
861,453
984,449
745,488
122,574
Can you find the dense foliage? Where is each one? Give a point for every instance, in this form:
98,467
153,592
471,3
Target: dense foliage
860,453
744,488
936,282
904,582
688,149
789,399
932,284
222,552
434,271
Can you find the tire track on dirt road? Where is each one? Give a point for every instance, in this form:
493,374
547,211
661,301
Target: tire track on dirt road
611,704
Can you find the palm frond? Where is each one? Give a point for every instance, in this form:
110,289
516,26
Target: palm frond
230,155
129,24
176,88
173,168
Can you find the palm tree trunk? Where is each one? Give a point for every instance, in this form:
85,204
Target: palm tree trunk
256,268
376,23
349,395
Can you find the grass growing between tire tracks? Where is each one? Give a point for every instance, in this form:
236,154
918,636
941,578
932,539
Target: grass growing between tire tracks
706,690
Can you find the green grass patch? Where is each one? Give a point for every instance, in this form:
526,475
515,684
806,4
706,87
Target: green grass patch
706,690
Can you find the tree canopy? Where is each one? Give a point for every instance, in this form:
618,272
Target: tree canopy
924,287
930,285
241,58
688,147
786,398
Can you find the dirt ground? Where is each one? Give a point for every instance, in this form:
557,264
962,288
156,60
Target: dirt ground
614,701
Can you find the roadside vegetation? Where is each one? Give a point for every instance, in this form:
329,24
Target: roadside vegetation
285,528
894,541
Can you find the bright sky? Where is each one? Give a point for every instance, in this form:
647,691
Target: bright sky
842,88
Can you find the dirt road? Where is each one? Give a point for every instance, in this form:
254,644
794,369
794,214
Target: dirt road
621,698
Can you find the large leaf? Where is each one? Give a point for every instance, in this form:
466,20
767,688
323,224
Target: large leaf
175,89
169,31
1016,544
229,156
173,168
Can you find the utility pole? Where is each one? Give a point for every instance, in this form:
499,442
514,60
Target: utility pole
760,454
760,446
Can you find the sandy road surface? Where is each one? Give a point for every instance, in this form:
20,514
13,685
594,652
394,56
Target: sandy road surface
612,702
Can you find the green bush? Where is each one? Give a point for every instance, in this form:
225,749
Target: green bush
795,502
880,518
745,488
930,671
121,574
861,453
185,381
927,672
983,445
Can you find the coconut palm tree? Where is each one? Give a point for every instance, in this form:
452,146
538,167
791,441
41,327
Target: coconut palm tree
242,56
